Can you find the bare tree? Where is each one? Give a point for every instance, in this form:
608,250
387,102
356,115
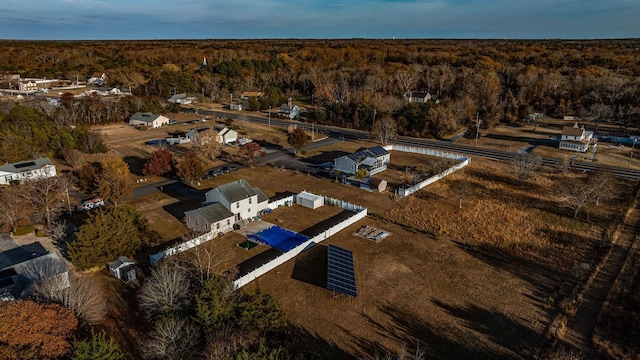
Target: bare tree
73,157
384,128
524,165
207,144
79,293
171,339
11,209
47,197
581,193
164,291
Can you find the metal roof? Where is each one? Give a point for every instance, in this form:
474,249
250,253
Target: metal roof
146,116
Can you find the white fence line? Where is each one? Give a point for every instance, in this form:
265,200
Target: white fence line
155,258
464,161
288,201
263,269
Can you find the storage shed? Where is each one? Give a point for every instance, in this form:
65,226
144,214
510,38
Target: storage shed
124,269
309,200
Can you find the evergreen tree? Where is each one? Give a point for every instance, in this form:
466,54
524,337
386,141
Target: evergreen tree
98,347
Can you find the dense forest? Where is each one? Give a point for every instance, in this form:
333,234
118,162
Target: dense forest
348,82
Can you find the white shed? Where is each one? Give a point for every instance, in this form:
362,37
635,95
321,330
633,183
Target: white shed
309,200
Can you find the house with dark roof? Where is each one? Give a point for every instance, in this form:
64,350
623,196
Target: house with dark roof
21,266
150,120
373,160
417,96
214,217
27,170
576,138
239,198
289,110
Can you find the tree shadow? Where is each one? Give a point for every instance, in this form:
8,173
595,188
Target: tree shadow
441,341
322,226
136,164
325,156
305,344
311,266
255,262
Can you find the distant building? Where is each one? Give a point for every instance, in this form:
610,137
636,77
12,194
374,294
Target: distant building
181,99
417,96
240,198
148,119
576,138
124,269
27,170
227,136
97,79
215,217
289,110
235,106
246,95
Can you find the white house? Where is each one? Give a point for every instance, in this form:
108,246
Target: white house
181,99
373,160
240,198
215,217
227,136
97,79
27,170
235,106
289,110
417,96
576,138
21,266
148,119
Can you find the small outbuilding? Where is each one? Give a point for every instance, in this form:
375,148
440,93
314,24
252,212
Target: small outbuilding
309,200
124,269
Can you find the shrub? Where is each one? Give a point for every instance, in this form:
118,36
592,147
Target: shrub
39,233
98,347
143,128
23,230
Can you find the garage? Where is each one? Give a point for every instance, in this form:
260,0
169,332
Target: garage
309,200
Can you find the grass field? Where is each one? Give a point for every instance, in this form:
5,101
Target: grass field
485,288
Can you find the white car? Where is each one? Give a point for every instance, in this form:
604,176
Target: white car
90,204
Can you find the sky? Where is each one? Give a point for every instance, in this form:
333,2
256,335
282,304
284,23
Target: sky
318,19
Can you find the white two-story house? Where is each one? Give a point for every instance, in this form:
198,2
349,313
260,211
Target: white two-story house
26,171
239,198
576,138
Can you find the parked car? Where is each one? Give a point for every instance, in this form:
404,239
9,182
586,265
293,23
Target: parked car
216,172
173,122
229,168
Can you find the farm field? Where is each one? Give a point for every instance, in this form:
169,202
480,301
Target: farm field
499,265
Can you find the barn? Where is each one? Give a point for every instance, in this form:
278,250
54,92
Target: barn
309,200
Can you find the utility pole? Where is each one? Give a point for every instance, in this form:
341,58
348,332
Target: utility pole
477,127
632,147
312,133
269,115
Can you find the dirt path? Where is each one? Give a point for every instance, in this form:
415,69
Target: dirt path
580,327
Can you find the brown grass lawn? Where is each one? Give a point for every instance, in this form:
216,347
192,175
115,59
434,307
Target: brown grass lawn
484,289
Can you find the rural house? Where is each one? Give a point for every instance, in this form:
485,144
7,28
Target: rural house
373,160
240,198
27,170
289,110
227,136
417,96
235,106
97,79
215,217
21,266
150,120
181,99
246,95
576,138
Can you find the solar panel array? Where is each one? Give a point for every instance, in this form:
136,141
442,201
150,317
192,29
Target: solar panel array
341,276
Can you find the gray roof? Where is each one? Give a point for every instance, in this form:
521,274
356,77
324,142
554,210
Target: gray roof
146,116
214,212
374,152
119,262
23,166
418,94
21,254
239,190
261,196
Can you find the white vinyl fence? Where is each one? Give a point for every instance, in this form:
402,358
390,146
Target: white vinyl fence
155,258
464,161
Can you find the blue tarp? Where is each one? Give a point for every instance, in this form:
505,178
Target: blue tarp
279,238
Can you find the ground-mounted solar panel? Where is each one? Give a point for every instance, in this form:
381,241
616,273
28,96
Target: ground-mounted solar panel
341,275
